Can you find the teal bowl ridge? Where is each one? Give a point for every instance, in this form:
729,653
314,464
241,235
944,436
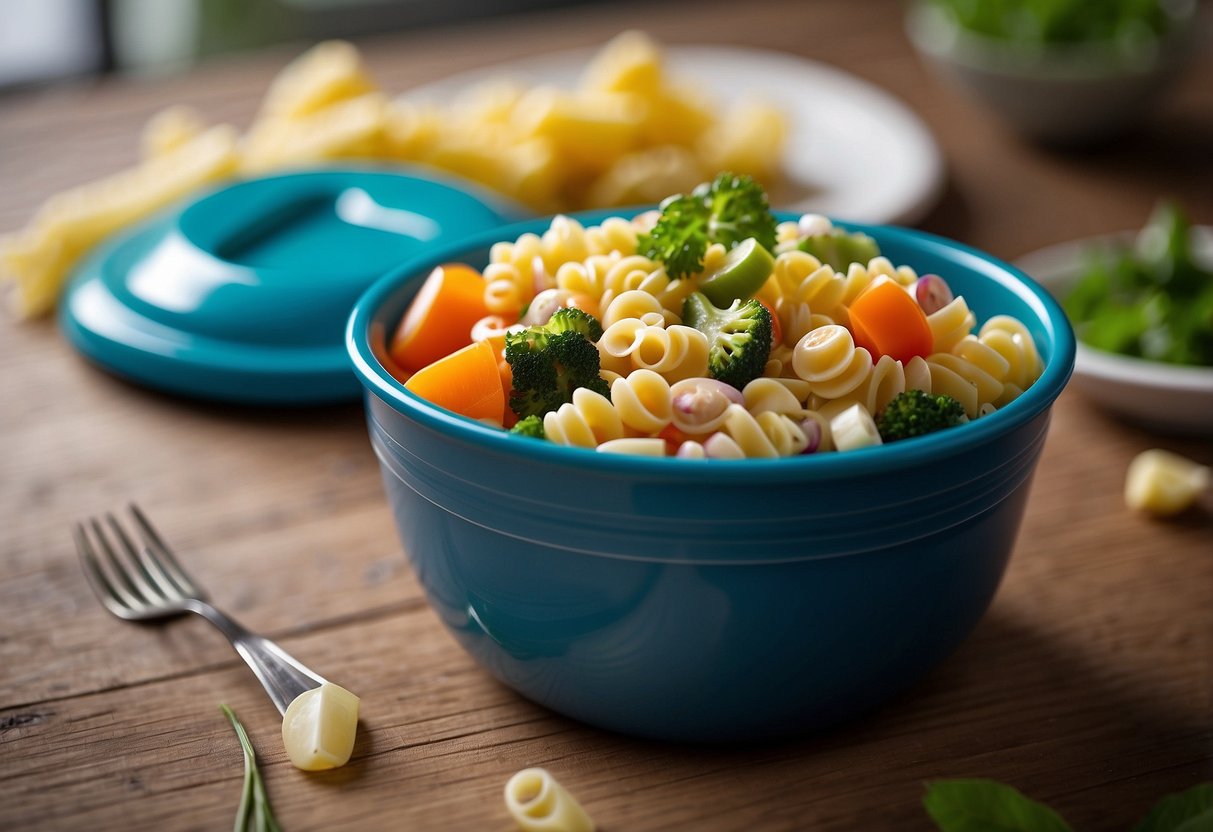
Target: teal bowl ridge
710,600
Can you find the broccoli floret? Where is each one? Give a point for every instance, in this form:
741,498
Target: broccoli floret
549,362
530,426
739,337
915,413
726,211
572,319
838,249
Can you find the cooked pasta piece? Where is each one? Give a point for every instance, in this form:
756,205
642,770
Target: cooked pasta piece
634,445
987,388
586,422
767,435
643,401
1011,339
828,359
676,352
615,235
490,326
633,304
588,277
768,394
951,324
538,803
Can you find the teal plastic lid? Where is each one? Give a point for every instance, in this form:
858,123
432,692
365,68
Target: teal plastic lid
243,294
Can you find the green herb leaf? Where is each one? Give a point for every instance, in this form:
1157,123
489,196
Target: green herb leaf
1190,811
987,806
254,811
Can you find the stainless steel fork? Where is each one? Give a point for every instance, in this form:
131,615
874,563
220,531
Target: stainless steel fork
146,583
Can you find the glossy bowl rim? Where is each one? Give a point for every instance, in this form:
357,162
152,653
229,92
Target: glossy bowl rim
876,460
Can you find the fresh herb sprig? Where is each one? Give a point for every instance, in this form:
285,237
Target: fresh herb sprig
727,210
254,812
981,805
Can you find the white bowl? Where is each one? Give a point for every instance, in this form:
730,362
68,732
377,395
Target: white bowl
1064,95
1167,398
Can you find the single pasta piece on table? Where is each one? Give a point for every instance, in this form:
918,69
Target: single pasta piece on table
1163,484
319,726
538,803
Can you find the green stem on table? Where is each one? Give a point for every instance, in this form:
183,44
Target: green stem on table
254,802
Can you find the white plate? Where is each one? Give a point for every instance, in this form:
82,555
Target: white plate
854,152
1166,397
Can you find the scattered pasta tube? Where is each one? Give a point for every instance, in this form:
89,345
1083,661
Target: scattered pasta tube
538,803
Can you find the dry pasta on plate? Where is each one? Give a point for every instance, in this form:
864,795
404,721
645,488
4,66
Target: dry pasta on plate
708,330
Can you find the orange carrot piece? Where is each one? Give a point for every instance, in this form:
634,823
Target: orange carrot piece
885,320
440,318
468,381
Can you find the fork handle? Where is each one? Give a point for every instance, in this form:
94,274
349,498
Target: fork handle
283,676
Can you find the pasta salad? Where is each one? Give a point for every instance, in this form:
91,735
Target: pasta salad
706,330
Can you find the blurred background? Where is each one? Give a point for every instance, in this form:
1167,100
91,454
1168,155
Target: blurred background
49,39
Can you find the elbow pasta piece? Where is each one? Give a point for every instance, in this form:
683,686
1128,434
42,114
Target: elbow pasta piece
643,401
768,394
951,324
586,422
828,359
538,803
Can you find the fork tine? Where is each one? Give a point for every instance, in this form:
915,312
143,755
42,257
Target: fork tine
144,579
134,590
117,599
166,561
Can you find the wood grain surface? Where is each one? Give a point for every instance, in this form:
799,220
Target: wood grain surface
1089,684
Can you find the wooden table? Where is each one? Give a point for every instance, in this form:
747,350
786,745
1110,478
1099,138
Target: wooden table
1089,684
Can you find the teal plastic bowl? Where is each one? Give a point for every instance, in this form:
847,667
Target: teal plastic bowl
710,600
